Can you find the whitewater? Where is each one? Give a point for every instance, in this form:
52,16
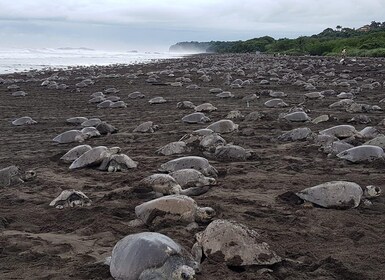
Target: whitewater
19,60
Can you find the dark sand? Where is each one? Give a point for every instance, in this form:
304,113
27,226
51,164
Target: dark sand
40,242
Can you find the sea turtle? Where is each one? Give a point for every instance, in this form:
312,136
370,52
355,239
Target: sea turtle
178,147
76,120
343,103
97,99
70,198
192,178
111,90
19,93
145,127
215,90
296,134
230,152
75,152
369,132
96,94
199,163
117,162
113,98
182,207
225,94
205,107
319,119
91,131
275,103
91,122
211,141
377,141
185,105
233,244
71,136
104,104
298,116
345,95
235,114
249,98
136,94
105,128
151,255
94,156
341,131
223,126
193,86
118,104
23,121
338,194
336,147
277,94
165,184
12,175
157,100
196,118
196,136
314,95
254,116
362,153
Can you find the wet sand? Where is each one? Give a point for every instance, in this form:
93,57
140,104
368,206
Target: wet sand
40,242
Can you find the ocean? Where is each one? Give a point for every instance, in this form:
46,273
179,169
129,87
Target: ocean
19,60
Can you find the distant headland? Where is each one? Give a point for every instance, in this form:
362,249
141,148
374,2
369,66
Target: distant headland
368,40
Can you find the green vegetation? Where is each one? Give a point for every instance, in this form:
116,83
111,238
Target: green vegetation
368,40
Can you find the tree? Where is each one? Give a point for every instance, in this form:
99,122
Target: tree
338,27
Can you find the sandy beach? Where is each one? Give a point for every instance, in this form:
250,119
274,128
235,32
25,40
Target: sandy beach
41,242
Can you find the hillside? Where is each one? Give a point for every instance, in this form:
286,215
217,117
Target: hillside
368,40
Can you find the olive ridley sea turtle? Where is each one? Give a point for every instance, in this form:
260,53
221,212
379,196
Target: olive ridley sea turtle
223,126
70,198
362,153
12,175
23,121
94,156
192,178
199,163
71,136
234,244
151,255
181,207
75,152
165,184
196,118
338,194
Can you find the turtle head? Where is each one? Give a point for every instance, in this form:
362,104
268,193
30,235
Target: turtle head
176,189
183,272
115,150
372,191
211,171
205,214
29,175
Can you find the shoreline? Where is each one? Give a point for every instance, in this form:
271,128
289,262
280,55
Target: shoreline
40,241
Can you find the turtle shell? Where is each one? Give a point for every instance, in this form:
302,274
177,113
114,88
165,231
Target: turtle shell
136,253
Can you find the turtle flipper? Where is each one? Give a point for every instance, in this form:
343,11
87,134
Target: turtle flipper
195,191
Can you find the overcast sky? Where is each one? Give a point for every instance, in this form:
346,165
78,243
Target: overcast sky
157,24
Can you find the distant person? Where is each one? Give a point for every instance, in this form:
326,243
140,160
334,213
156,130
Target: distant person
343,56
343,53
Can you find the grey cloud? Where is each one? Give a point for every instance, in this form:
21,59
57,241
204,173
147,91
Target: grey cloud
171,21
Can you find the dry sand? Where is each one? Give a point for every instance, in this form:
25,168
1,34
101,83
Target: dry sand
40,242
